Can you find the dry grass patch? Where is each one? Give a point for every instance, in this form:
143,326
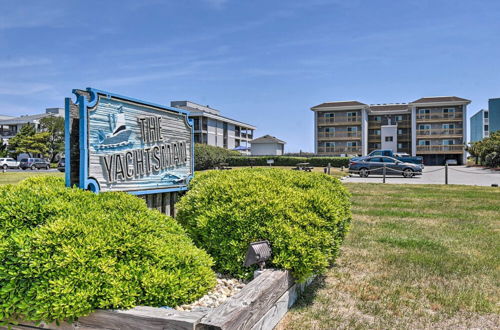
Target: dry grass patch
417,256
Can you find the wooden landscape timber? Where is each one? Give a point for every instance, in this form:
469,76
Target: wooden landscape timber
261,304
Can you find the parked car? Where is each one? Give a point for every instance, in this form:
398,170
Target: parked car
61,164
375,165
404,157
6,163
34,163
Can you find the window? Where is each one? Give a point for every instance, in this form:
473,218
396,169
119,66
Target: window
376,159
485,114
424,126
448,126
388,139
352,129
377,118
330,129
400,146
388,160
329,144
377,132
486,128
400,131
329,115
398,118
424,142
448,142
352,114
448,110
424,111
352,144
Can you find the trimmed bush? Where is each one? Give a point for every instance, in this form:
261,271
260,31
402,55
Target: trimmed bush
65,252
288,161
305,216
208,157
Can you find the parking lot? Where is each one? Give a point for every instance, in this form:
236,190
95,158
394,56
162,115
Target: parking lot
473,176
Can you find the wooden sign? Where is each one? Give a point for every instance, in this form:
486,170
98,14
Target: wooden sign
116,143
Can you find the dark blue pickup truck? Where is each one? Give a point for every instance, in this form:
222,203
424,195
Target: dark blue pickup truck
399,156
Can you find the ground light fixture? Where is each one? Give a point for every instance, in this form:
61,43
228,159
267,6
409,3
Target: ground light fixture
258,253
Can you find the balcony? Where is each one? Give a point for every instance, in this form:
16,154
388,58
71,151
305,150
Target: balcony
377,124
339,120
339,150
440,132
7,133
433,117
441,149
339,135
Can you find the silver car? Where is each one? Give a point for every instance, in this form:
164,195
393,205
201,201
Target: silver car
375,165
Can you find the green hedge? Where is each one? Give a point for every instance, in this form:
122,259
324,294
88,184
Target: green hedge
288,161
65,252
208,157
305,216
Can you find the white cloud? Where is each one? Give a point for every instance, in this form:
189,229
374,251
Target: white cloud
29,15
23,89
23,62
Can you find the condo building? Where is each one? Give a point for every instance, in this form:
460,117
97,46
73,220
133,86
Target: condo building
479,125
431,127
211,128
10,126
485,121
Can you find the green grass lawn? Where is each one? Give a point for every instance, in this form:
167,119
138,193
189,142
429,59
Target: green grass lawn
15,177
417,256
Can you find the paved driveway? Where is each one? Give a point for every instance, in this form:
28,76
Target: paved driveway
435,175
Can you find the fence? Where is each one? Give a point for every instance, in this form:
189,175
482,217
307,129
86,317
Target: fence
387,171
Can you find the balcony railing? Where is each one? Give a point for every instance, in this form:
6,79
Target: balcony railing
338,135
440,148
342,120
339,150
439,116
439,131
7,133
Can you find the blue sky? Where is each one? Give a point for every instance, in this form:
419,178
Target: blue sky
261,62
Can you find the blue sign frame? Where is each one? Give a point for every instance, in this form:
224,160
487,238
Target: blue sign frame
85,104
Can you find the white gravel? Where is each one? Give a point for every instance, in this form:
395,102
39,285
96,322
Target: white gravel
225,288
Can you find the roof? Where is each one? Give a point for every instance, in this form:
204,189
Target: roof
440,99
339,104
389,107
197,110
24,119
267,139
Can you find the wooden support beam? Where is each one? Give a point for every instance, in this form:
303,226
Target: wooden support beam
141,317
251,304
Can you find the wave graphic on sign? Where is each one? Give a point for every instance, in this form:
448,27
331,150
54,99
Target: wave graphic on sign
119,135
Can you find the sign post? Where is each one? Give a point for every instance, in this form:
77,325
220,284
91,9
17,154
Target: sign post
116,143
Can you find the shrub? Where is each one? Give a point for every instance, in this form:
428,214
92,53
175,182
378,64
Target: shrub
65,252
207,157
288,161
487,151
305,216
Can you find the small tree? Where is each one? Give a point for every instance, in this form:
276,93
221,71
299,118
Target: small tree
3,149
27,140
55,127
